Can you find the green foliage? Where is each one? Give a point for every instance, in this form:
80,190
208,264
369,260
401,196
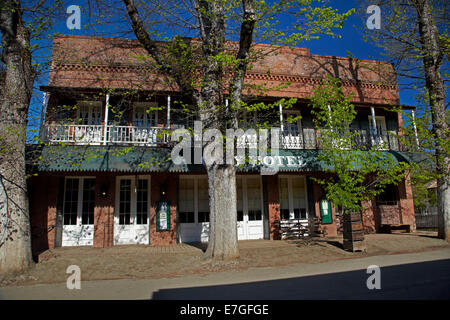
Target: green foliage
357,174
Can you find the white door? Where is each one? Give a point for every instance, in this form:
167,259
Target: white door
379,136
293,202
145,121
249,207
193,210
132,213
292,132
78,212
89,115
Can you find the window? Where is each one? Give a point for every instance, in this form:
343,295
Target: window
186,212
141,202
71,202
389,196
254,215
240,215
125,202
87,214
89,112
203,216
79,201
186,217
144,116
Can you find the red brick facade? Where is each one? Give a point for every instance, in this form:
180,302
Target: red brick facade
104,63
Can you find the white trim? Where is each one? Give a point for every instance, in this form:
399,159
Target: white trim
168,111
415,128
106,119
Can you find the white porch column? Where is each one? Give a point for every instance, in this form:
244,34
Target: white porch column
43,113
168,111
329,116
415,128
281,117
106,120
374,122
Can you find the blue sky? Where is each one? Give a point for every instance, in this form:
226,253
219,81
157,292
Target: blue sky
351,42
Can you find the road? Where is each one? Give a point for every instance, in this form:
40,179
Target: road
424,275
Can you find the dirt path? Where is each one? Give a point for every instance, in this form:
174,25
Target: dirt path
146,262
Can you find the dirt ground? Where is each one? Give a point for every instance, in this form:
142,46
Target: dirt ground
139,261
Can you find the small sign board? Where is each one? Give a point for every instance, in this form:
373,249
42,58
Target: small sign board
162,216
325,211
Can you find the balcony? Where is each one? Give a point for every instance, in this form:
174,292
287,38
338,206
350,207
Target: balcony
305,139
95,135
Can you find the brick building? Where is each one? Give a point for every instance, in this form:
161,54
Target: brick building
103,175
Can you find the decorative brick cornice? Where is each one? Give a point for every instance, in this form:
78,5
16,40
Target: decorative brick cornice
134,68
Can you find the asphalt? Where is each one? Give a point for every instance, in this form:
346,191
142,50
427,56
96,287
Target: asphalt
403,276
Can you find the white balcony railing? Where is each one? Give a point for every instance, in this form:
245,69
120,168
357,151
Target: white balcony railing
95,134
151,136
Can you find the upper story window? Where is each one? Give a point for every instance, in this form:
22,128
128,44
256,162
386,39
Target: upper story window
89,112
143,116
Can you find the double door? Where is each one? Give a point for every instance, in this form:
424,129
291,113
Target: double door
249,208
78,211
132,213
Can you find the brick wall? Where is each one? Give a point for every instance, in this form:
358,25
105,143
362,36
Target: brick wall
104,211
273,200
159,238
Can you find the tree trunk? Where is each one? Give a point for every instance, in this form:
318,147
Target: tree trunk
432,61
222,244
15,249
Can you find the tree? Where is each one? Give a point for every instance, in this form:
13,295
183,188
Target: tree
210,67
18,74
15,252
358,173
414,35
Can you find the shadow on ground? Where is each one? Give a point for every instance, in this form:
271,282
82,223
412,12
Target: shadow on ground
426,280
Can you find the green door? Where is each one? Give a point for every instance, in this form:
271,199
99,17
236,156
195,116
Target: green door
325,211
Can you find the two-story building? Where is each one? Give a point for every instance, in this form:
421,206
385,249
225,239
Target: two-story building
105,165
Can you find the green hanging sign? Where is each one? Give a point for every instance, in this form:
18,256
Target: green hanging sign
162,216
325,211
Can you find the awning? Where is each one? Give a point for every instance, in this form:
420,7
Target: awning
71,158
104,158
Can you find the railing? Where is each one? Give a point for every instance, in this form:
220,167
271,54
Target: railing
306,138
95,134
427,221
137,135
80,134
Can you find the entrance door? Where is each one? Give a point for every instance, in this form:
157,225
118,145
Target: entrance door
293,203
249,208
78,212
193,213
89,115
144,123
292,135
379,136
131,218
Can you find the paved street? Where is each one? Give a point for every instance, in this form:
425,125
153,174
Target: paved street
422,275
